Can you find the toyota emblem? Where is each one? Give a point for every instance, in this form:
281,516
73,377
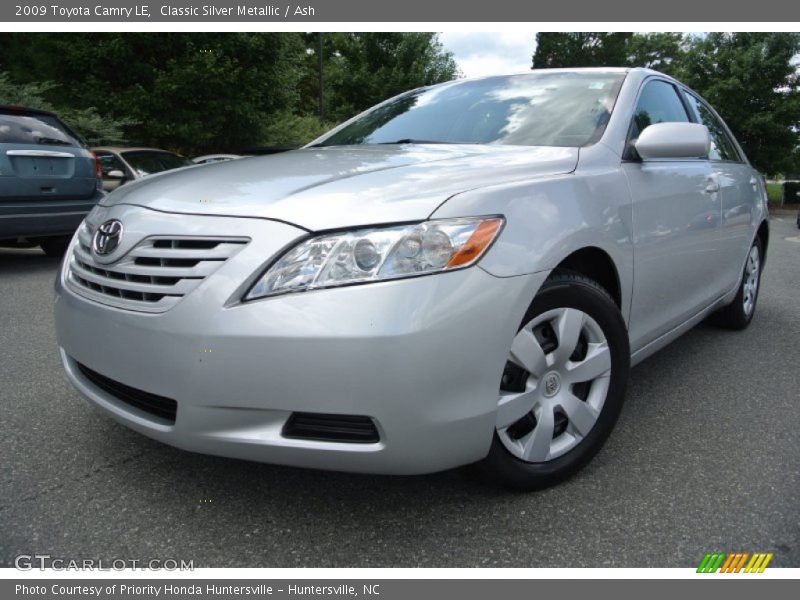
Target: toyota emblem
107,237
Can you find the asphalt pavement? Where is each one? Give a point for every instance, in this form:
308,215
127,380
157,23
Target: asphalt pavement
705,457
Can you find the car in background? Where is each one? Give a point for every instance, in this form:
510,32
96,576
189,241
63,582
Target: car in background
213,158
266,150
49,180
121,165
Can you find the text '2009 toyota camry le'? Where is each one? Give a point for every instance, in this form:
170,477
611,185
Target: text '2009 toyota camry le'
464,273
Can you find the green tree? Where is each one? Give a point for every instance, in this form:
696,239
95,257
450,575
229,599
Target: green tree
191,92
363,69
581,49
660,51
95,128
199,92
751,80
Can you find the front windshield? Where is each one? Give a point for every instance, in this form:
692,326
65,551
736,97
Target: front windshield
147,162
538,109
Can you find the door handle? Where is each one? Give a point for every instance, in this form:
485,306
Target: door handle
712,187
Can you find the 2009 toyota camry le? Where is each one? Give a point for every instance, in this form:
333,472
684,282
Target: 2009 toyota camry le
464,273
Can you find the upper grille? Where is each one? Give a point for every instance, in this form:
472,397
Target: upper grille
154,275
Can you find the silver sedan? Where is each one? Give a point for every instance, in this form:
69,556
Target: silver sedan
464,273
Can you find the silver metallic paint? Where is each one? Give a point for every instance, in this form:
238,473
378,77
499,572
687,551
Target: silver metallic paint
423,356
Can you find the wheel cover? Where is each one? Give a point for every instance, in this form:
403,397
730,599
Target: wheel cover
751,277
551,377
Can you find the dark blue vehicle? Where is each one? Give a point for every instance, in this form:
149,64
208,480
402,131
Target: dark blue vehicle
49,180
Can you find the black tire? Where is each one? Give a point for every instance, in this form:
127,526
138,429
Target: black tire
734,316
569,290
55,247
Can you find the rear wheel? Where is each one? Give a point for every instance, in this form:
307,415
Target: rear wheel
55,247
739,313
562,387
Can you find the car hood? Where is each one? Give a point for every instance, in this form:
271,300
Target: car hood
326,188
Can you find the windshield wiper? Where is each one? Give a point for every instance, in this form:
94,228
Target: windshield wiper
52,141
394,143
413,141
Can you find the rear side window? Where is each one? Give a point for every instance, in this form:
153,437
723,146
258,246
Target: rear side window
722,147
35,129
658,103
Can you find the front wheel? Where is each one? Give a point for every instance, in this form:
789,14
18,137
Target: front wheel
562,387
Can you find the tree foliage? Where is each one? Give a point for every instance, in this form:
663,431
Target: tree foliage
750,78
95,128
367,68
663,52
580,49
191,92
205,92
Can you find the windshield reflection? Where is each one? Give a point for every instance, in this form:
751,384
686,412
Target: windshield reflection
566,109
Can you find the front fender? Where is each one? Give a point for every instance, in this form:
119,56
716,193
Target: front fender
550,218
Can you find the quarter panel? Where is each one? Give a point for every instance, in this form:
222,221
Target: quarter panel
742,195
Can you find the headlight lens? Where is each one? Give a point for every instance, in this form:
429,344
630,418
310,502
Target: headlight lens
377,254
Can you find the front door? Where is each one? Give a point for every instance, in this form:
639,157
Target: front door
676,226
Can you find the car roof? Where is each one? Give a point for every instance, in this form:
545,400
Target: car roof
23,110
120,149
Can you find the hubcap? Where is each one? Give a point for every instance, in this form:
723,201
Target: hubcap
751,271
554,385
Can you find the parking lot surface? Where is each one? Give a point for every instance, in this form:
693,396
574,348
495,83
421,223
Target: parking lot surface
705,457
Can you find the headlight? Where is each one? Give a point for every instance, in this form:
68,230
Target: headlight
378,254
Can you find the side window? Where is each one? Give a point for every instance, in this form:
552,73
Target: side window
109,162
658,103
722,148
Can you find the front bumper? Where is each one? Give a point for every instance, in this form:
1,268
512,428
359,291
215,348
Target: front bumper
423,357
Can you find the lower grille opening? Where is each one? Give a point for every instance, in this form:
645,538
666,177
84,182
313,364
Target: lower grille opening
331,428
159,406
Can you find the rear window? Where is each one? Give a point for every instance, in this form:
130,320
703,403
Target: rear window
36,129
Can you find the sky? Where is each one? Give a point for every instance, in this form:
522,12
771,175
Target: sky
490,53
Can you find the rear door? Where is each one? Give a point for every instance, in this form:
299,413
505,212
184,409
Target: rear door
740,191
42,159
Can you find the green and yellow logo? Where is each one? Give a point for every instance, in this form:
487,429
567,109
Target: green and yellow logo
735,562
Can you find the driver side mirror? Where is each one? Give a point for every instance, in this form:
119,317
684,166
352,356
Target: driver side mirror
115,174
673,140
